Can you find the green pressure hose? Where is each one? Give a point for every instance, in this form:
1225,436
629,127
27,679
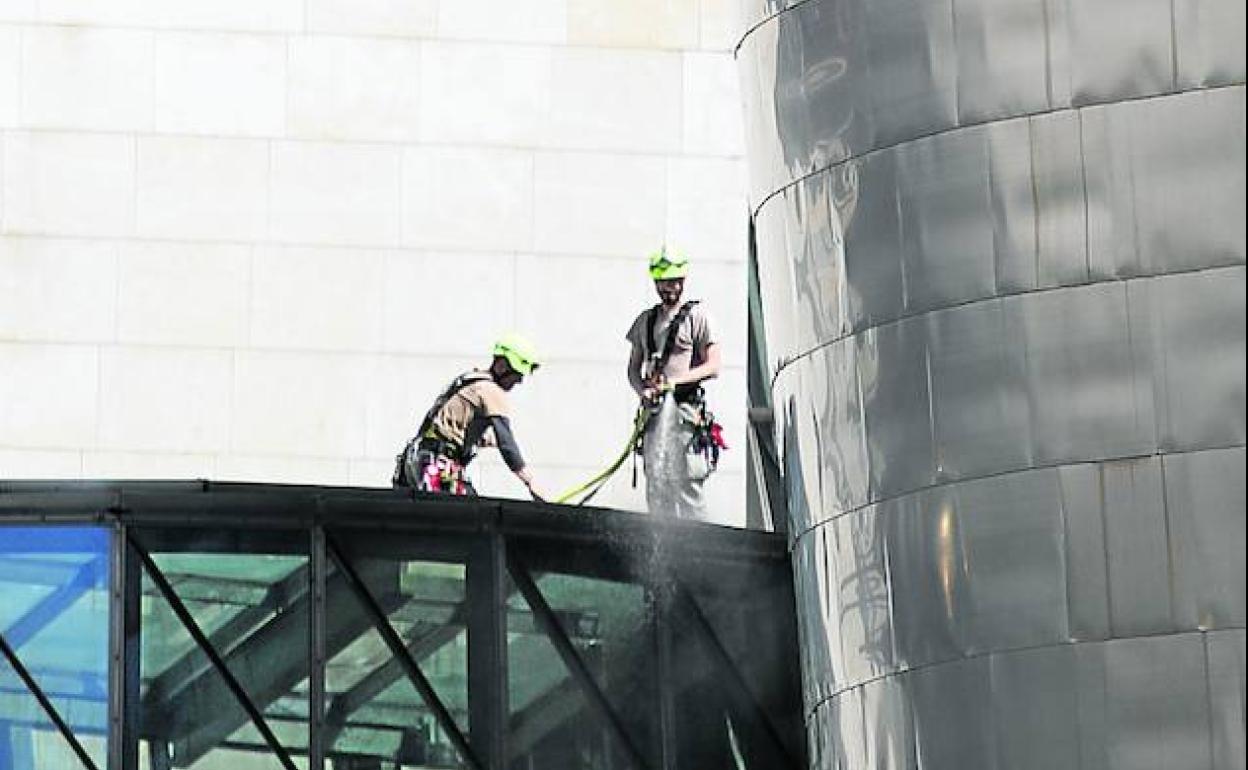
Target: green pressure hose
597,482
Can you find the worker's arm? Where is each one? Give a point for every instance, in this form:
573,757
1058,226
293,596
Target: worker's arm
510,451
706,370
635,362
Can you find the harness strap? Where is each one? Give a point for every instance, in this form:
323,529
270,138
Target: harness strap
458,384
673,329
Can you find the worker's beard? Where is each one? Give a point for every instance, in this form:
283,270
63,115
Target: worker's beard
671,297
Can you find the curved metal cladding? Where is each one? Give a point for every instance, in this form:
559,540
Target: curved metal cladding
1001,253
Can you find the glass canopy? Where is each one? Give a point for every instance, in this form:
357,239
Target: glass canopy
232,627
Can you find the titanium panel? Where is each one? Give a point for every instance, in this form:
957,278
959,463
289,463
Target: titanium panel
979,391
1092,695
803,449
757,63
1165,183
913,68
1187,161
1205,503
1014,555
928,577
844,460
1056,455
873,247
840,737
1087,575
864,612
1089,392
774,282
1135,545
1158,703
954,721
1012,194
791,107
1198,333
1209,43
1002,61
1034,706
1107,176
835,83
892,366
1061,211
1119,49
819,265
820,638
889,724
947,254
1225,651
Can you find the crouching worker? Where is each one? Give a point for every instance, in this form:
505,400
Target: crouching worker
472,412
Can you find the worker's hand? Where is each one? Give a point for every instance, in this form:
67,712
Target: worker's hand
537,493
656,388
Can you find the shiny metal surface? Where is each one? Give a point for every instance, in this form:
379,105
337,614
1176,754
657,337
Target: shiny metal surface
1001,257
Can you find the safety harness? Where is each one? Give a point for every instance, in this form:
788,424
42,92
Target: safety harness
446,456
708,435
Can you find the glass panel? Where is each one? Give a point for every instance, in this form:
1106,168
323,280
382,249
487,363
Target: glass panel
54,614
733,649
551,723
254,608
373,709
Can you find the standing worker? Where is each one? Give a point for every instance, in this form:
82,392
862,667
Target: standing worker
472,412
674,350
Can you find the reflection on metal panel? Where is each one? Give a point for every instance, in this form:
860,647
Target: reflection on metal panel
1119,49
872,224
836,394
892,367
1001,60
863,610
889,724
1226,696
1086,567
926,576
1034,708
947,255
1013,200
1205,502
979,391
1198,327
1014,549
1210,42
954,723
913,69
1157,705
1135,543
1003,245
1089,398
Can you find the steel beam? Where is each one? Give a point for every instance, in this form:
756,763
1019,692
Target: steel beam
745,705
382,624
599,705
31,685
184,616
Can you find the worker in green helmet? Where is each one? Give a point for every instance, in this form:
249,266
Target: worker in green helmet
472,412
674,350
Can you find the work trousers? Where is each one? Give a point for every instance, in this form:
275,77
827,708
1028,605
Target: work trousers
674,475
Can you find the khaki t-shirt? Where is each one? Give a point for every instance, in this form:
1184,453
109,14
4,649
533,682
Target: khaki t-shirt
481,399
696,333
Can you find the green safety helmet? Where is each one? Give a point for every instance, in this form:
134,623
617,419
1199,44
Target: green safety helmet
666,264
519,352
